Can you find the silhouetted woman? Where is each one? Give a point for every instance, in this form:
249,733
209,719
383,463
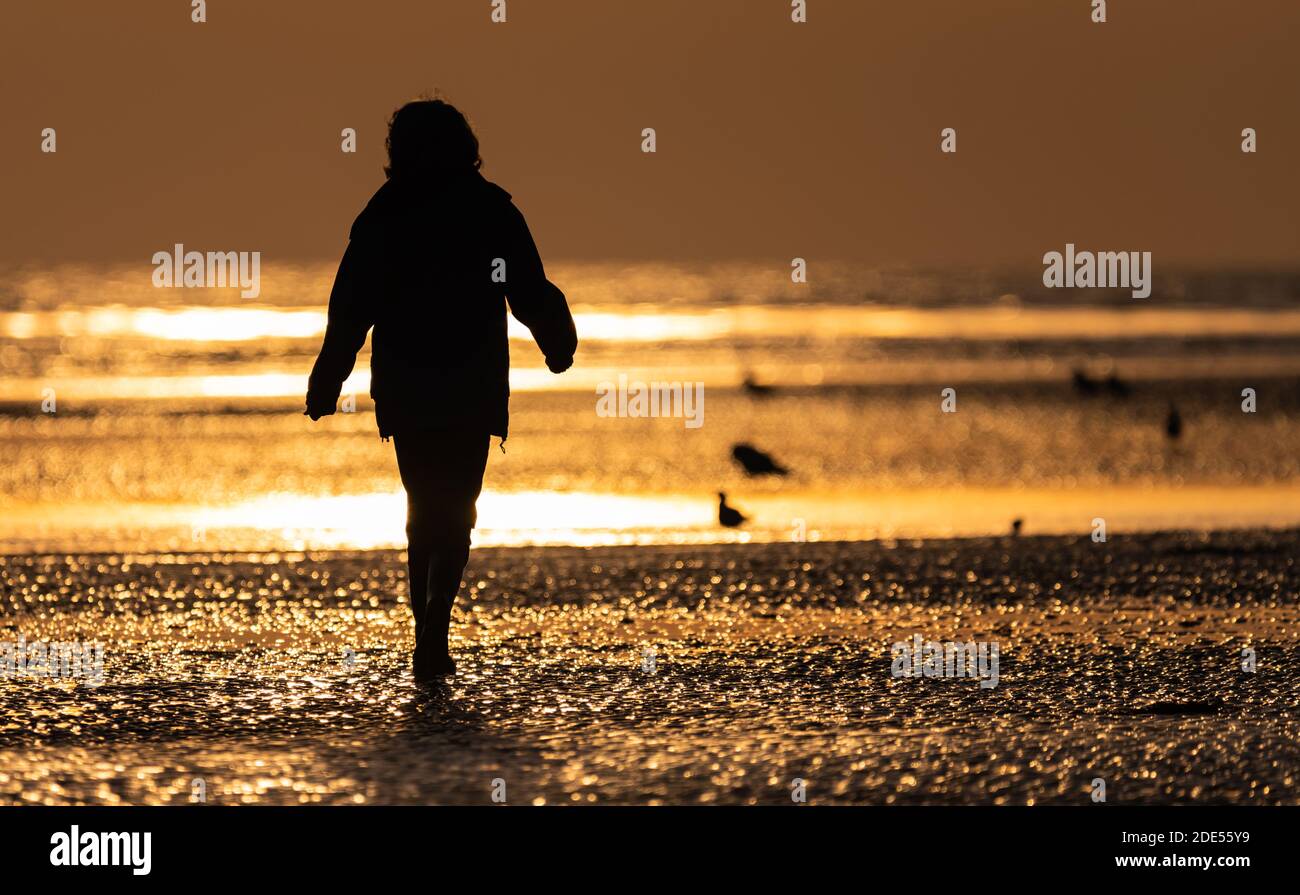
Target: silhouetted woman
431,263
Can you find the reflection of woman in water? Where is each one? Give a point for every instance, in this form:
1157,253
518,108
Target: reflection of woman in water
433,259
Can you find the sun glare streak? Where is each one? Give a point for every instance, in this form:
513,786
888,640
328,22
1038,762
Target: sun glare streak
547,518
274,384
702,324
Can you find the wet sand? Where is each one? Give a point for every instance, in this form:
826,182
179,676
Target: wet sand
283,678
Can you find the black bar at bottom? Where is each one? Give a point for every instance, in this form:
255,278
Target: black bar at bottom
215,845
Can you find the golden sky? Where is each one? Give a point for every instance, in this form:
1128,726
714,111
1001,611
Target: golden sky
775,140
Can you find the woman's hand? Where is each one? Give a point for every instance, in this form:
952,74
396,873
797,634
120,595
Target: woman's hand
317,408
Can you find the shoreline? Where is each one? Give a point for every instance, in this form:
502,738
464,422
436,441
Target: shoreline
1251,535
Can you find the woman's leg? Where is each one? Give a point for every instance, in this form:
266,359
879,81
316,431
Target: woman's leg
443,475
417,566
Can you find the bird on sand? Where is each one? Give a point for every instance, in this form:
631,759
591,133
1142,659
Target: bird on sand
1083,383
1174,423
1015,527
755,462
728,517
755,388
1117,387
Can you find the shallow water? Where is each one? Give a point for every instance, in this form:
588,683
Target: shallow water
135,418
865,462
1120,661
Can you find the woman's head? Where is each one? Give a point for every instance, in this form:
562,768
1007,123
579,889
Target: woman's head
430,137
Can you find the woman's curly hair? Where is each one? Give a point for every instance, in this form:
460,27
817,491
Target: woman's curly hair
430,137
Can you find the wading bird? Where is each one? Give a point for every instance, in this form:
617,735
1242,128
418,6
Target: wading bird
755,462
1174,423
728,517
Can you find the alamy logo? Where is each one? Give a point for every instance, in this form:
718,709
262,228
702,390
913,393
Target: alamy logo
77,849
932,658
40,659
180,268
1083,270
672,399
